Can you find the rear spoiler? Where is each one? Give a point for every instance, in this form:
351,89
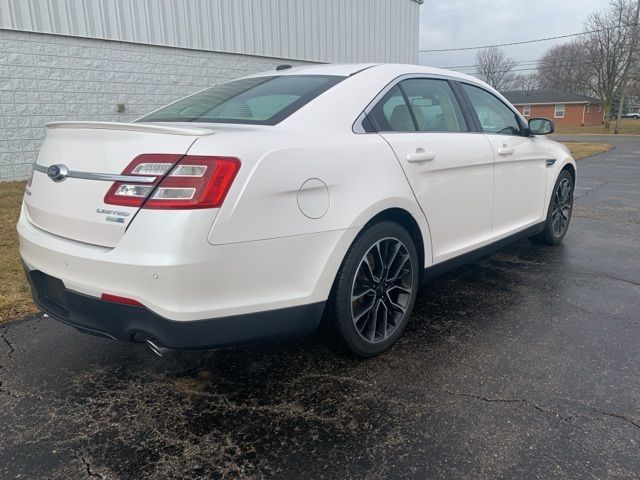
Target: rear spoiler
133,127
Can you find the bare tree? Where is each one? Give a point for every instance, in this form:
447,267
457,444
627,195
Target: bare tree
566,68
607,45
631,66
633,92
494,67
527,81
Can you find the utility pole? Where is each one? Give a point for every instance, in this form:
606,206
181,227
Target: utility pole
631,60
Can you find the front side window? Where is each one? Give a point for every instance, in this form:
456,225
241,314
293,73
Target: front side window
526,111
494,115
559,111
434,105
258,100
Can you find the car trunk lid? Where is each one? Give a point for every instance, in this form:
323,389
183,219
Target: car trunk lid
73,206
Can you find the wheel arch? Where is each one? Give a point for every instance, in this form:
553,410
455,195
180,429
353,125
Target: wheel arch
406,220
416,224
569,167
567,164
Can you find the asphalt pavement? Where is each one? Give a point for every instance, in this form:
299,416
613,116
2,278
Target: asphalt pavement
525,364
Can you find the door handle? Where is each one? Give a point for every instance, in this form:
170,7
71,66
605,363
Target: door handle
420,156
504,150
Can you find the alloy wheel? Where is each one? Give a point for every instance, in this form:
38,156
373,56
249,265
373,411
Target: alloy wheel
561,212
382,290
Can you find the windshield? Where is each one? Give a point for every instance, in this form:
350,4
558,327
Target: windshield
259,100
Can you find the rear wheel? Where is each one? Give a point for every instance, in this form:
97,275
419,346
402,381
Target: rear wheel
559,213
375,290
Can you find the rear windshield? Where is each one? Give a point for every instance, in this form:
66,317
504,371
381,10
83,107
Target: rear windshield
259,100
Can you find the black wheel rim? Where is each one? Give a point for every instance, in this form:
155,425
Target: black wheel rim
382,290
561,207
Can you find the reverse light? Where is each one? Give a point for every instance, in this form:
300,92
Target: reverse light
133,190
132,194
151,168
181,182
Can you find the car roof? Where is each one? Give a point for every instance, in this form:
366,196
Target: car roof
348,69
339,69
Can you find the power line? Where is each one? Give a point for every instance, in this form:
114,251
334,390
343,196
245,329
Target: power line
452,67
518,63
565,65
532,67
522,42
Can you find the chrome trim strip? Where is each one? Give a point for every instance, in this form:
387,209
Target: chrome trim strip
358,127
106,177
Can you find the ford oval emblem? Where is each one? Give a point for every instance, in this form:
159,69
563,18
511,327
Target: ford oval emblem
58,172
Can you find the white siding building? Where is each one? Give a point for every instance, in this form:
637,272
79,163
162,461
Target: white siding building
115,60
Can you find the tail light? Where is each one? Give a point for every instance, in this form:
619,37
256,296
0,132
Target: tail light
193,182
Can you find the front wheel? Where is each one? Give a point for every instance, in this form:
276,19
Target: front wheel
559,213
375,290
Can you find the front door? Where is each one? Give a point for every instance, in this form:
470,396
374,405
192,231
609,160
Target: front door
520,165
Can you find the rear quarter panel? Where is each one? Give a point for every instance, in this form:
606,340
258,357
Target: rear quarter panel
360,172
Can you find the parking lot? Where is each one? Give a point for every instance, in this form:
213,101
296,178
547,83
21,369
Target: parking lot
525,364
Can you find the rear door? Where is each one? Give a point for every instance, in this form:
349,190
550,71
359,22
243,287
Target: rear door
73,206
520,165
449,168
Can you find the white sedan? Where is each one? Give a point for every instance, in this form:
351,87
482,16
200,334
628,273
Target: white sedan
263,206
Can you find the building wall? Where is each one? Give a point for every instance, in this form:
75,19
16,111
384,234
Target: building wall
44,78
595,116
78,59
312,30
572,114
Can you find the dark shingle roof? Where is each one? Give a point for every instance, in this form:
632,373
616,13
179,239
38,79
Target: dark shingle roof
524,97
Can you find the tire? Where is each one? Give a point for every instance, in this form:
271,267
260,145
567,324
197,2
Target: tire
561,203
375,290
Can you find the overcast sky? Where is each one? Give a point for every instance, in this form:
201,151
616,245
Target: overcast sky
466,23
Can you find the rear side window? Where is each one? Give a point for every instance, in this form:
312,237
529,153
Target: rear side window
494,115
419,105
392,114
434,105
259,100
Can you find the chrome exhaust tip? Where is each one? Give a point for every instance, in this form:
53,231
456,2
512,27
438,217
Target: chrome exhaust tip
157,349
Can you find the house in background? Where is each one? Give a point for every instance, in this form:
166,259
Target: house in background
565,109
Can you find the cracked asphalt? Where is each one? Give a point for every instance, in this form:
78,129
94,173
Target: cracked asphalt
525,364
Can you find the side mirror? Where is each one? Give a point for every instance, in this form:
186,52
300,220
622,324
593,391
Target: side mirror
541,126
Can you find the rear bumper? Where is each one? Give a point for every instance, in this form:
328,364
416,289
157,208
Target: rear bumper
138,324
165,262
